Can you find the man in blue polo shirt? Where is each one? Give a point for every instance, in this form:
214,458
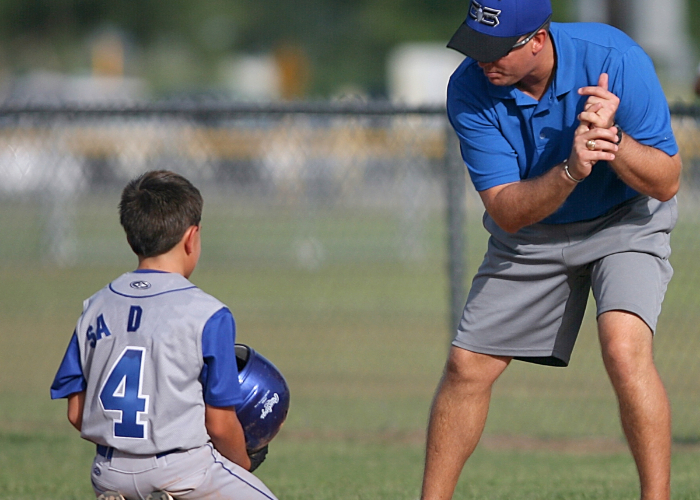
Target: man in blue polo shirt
566,134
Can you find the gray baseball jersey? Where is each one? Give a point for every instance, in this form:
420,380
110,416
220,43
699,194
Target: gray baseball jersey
149,350
142,359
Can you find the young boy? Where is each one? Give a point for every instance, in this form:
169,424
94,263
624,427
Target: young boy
150,372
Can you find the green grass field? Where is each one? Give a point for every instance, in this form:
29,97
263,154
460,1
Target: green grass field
361,337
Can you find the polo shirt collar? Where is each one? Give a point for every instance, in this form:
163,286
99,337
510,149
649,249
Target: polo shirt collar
565,77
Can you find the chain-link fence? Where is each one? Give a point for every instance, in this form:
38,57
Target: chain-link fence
342,235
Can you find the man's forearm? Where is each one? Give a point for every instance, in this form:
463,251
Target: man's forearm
514,206
647,170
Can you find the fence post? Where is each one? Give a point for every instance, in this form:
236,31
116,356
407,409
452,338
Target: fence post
455,192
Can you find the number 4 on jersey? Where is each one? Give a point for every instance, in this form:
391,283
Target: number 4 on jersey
122,393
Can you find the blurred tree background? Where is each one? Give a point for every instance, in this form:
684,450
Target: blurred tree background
181,46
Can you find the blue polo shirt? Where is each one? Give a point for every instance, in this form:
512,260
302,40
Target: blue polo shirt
506,135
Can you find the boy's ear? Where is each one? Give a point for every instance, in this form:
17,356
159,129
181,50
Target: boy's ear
189,238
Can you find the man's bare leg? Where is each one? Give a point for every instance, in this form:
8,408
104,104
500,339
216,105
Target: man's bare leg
457,418
626,343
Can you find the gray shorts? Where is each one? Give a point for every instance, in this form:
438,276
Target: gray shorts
528,298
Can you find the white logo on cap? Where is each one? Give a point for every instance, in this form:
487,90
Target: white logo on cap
484,15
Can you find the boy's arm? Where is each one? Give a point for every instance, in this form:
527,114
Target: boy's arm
226,434
76,403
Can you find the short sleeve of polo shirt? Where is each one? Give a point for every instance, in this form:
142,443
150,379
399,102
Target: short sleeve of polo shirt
490,159
643,111
219,376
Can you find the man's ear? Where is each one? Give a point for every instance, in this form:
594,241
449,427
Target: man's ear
539,41
189,239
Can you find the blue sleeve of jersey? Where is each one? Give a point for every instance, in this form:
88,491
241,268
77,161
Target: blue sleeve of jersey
69,378
219,375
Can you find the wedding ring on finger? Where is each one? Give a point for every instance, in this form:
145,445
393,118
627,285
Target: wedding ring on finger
590,145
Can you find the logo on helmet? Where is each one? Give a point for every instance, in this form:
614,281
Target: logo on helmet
484,15
268,405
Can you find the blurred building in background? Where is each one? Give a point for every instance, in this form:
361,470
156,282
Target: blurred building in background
280,74
259,52
417,73
106,81
659,27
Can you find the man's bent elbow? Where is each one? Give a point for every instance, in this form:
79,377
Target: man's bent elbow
506,222
668,193
510,225
668,190
672,187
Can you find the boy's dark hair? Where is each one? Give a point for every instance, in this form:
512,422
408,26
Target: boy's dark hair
156,209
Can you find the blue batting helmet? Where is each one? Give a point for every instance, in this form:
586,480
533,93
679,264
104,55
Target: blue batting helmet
265,397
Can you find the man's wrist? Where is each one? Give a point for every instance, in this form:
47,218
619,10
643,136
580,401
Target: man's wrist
619,133
568,174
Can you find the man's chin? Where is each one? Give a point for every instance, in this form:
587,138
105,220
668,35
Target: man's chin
498,79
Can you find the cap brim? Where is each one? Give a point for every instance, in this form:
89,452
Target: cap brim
480,47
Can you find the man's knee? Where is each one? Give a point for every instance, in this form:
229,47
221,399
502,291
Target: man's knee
472,368
626,343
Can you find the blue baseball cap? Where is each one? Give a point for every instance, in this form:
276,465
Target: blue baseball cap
492,27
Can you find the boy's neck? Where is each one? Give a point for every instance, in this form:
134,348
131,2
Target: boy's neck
181,259
165,263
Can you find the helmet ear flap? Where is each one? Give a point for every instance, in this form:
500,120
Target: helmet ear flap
265,397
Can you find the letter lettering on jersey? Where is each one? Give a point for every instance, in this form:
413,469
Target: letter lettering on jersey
90,335
102,328
134,319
